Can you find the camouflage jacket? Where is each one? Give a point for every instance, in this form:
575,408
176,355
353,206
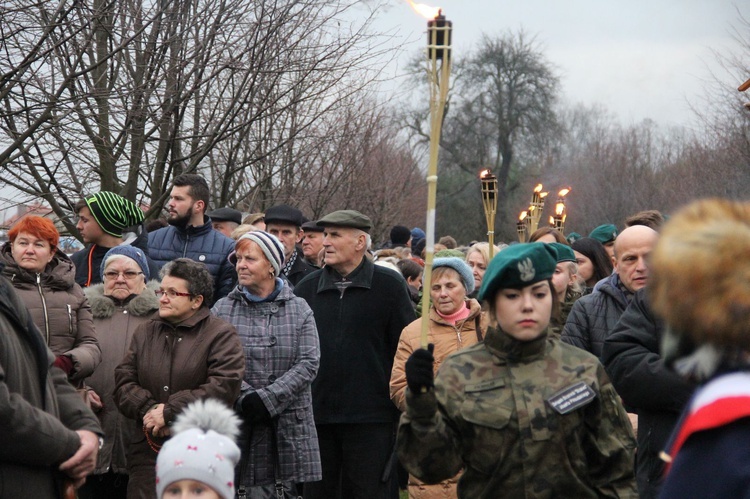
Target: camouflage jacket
525,419
556,325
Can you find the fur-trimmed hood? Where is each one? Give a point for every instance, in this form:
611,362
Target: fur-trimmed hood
103,306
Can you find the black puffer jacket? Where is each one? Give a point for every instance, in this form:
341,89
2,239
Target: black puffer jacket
632,360
593,317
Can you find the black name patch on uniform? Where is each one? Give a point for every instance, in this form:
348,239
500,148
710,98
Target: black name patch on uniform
572,397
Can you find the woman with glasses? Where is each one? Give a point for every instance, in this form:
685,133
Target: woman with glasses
44,278
180,355
123,301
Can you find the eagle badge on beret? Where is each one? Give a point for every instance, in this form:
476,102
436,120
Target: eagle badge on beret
526,269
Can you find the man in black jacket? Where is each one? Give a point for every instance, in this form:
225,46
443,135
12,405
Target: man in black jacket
285,222
640,376
360,310
593,316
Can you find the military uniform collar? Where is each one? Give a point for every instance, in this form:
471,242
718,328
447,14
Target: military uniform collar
506,347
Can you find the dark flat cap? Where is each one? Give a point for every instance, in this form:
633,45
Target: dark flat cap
285,214
312,226
346,218
225,215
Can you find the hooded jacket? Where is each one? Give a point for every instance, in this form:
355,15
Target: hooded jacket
202,244
115,321
40,411
59,309
593,317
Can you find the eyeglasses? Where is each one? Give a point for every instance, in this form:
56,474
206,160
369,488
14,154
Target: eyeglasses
128,275
170,293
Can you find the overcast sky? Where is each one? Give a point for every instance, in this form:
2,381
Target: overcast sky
638,58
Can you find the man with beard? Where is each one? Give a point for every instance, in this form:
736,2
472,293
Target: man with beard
190,234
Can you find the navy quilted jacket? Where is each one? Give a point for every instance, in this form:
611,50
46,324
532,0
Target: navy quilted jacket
202,244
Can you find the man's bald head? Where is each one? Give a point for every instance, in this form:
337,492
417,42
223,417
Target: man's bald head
632,248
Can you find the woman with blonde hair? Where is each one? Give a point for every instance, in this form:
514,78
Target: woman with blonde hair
478,258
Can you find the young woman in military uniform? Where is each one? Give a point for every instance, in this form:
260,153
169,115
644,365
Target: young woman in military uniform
523,414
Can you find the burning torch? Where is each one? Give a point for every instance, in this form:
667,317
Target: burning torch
438,73
489,203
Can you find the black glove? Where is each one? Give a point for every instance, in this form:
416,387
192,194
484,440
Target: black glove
254,410
419,370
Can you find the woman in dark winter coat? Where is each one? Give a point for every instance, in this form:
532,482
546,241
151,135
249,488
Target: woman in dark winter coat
181,355
44,278
124,301
706,305
282,353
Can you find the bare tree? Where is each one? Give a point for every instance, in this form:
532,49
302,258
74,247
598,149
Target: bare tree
123,96
501,116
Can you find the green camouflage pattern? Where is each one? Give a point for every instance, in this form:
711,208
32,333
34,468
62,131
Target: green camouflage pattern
488,415
556,326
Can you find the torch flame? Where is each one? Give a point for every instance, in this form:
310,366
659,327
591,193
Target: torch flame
424,10
551,220
523,215
484,173
538,188
543,194
559,208
563,192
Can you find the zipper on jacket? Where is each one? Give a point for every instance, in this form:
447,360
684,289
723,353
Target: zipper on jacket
187,243
70,318
44,306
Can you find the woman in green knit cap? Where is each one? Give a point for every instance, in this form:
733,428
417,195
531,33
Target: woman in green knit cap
522,414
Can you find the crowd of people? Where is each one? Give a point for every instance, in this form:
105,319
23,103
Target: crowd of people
271,356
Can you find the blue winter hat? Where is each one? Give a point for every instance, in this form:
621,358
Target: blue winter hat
459,266
417,233
131,252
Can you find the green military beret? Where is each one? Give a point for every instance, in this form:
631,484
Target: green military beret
604,233
518,266
347,218
573,237
564,252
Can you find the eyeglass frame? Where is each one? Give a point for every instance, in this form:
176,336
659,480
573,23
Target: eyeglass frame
174,294
110,275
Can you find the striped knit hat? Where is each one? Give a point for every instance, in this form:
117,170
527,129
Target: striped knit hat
269,244
113,212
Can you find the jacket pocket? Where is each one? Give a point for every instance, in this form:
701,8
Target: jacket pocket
487,410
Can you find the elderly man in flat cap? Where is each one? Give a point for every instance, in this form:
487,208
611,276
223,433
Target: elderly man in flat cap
285,222
106,220
360,310
225,220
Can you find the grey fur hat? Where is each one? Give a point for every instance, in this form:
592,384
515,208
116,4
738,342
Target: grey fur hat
203,448
460,266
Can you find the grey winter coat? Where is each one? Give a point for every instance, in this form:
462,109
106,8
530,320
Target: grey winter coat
116,321
39,410
59,309
282,355
593,317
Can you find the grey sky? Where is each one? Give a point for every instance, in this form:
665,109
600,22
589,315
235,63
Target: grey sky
639,59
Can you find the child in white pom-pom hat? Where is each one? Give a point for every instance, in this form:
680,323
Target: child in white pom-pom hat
199,459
